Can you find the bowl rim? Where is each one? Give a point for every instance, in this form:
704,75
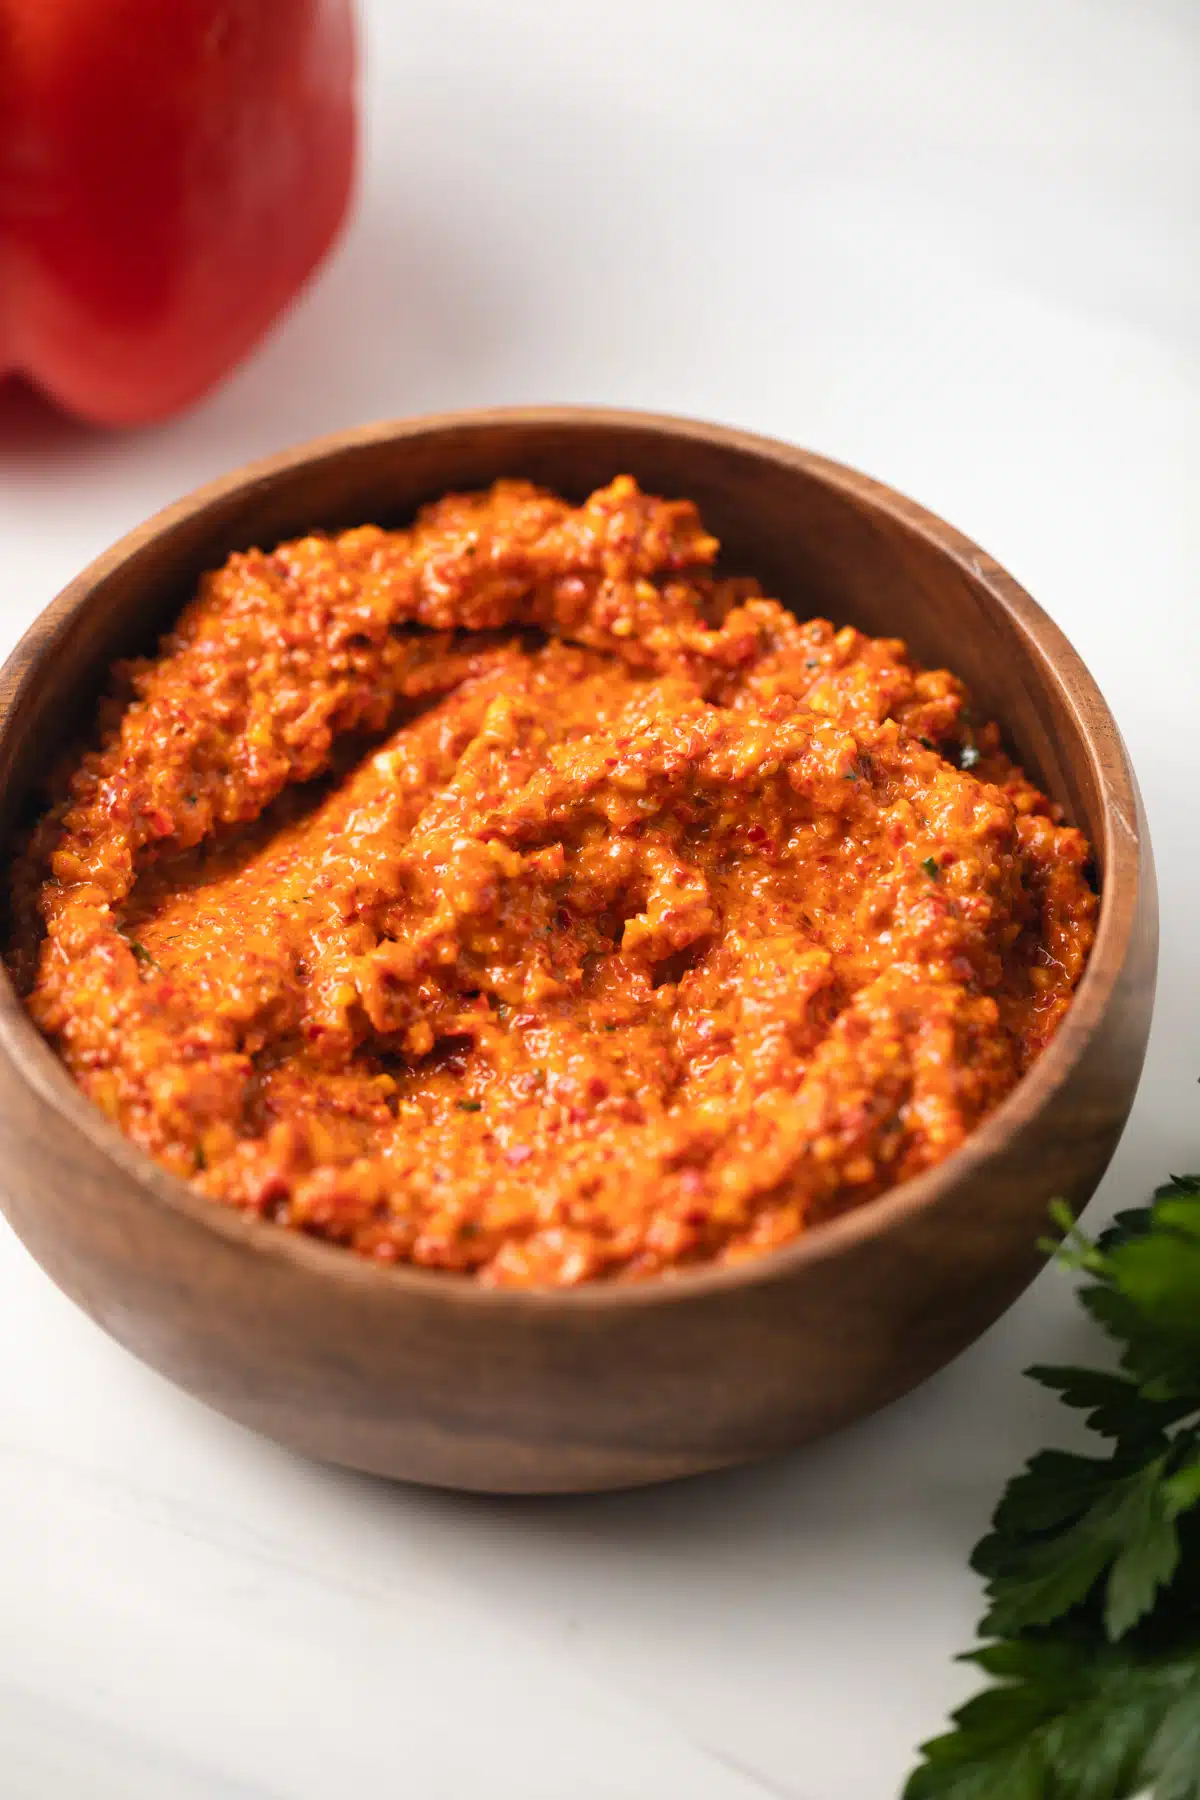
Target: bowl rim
31,1060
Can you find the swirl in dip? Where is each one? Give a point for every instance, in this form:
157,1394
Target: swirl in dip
513,895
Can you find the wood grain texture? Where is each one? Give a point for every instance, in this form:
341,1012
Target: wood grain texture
427,1376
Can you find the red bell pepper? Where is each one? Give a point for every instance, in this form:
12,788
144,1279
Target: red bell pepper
170,172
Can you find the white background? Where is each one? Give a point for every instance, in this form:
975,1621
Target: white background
954,242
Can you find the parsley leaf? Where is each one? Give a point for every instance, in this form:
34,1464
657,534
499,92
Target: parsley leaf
1118,1524
1115,1405
1066,1722
1092,1564
1146,1292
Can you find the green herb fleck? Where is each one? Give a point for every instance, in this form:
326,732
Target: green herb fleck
928,743
930,867
200,1159
469,1105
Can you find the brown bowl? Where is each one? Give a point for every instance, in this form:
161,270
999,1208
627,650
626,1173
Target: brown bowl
428,1376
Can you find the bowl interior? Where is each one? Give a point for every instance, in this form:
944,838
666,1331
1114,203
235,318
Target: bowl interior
821,539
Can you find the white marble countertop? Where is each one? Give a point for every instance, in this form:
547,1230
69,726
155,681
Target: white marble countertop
957,246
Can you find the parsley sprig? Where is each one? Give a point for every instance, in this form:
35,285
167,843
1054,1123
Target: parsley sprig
1092,1564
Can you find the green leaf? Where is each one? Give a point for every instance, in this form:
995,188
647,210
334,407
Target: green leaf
1115,1404
1069,1722
1147,1295
1182,1489
1093,1563
1133,1221
1160,1275
1065,1523
1055,1487
1172,1761
1165,1364
1179,1209
1144,1526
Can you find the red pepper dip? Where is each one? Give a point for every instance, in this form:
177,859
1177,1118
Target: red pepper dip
513,895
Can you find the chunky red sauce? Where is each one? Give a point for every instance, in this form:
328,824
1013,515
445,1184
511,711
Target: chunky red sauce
511,895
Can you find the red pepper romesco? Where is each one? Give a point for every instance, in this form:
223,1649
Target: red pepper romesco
514,895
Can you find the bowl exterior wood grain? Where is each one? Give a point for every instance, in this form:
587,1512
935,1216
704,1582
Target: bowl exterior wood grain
426,1376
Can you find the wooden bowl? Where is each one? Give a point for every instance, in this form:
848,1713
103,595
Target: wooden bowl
425,1375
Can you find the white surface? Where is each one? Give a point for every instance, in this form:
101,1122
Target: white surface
956,245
